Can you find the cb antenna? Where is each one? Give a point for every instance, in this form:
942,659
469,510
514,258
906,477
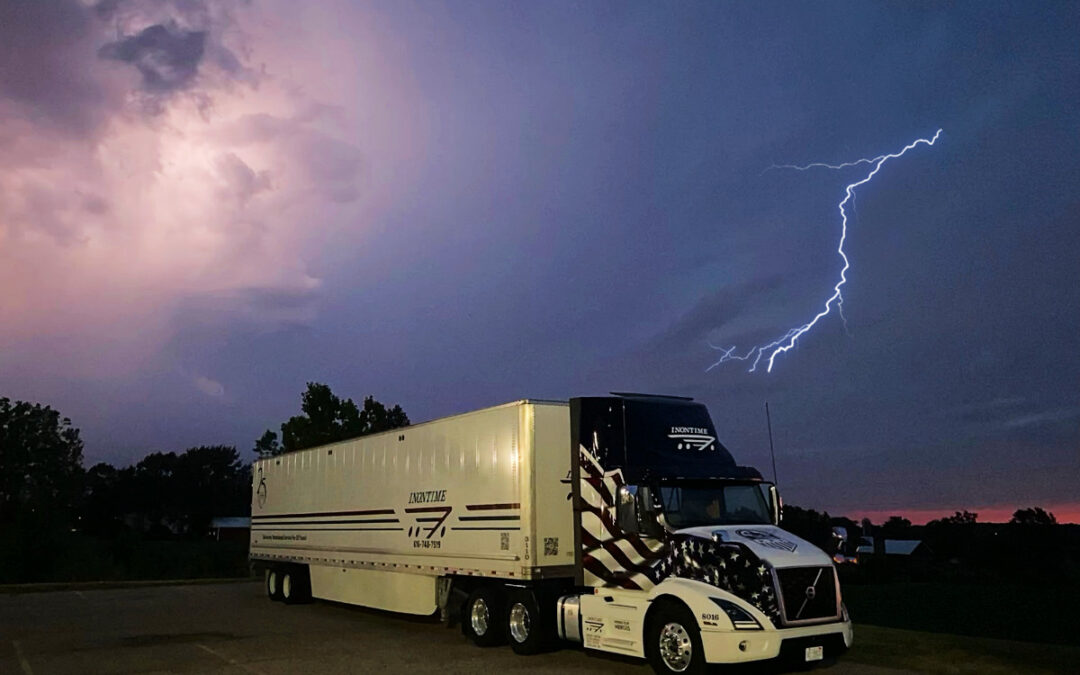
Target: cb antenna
772,452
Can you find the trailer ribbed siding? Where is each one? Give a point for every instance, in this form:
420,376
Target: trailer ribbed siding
478,494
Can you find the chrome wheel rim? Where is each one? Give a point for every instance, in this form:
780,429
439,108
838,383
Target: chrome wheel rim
519,622
479,617
286,586
271,582
676,649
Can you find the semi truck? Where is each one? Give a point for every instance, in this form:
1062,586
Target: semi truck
617,522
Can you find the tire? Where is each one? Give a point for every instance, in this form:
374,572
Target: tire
483,617
673,641
295,585
528,628
273,583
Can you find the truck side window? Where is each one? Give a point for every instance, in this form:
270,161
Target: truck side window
672,499
745,503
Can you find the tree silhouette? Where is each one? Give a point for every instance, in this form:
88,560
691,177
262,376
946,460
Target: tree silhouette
964,517
1033,516
40,462
103,502
896,527
326,419
807,523
167,493
267,445
213,482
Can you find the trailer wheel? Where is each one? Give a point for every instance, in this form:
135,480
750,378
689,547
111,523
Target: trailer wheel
673,642
483,617
273,583
295,585
526,625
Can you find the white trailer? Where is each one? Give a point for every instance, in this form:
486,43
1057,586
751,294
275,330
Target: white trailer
618,522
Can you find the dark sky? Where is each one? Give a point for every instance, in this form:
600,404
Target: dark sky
204,206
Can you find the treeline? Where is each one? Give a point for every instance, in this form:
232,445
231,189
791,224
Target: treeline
166,494
325,418
1031,548
59,521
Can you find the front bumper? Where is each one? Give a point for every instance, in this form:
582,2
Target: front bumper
759,645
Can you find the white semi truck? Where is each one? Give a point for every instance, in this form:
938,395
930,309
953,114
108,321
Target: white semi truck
617,522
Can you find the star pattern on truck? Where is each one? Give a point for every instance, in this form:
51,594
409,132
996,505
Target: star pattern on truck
725,565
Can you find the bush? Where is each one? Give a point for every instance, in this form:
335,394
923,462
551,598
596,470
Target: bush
59,557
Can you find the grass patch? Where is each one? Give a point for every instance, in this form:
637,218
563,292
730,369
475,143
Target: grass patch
937,653
74,557
1030,613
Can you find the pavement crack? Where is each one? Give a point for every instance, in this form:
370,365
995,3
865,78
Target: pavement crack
27,670
229,660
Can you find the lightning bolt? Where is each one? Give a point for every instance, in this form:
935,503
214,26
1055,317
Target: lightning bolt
788,341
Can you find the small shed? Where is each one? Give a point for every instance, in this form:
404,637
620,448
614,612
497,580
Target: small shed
232,528
906,547
892,548
865,546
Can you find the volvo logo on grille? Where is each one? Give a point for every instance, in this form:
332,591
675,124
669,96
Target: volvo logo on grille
811,592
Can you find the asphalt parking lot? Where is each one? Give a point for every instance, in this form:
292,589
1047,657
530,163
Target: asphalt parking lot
233,628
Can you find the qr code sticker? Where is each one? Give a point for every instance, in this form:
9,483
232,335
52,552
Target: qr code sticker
551,546
504,541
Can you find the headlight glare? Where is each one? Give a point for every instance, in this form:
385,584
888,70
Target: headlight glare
740,618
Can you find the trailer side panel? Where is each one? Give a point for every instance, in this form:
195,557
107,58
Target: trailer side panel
450,497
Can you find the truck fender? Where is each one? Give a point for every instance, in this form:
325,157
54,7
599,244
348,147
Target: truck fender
697,597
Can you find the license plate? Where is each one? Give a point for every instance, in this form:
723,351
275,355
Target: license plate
815,653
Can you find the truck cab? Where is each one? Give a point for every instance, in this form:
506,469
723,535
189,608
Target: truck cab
681,547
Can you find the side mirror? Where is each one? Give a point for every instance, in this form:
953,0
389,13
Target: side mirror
646,513
839,542
645,499
776,507
626,510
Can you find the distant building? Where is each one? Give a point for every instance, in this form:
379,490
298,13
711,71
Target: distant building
894,548
865,546
906,547
232,528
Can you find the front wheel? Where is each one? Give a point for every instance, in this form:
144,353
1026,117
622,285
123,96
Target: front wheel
673,642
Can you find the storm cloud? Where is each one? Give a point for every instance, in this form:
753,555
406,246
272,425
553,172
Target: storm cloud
47,69
167,57
204,205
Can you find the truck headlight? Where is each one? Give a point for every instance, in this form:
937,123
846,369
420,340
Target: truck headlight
740,618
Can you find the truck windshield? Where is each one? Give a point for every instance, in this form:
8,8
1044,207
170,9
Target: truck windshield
686,506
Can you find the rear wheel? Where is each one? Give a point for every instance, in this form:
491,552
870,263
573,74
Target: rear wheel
525,624
673,642
483,617
295,585
273,583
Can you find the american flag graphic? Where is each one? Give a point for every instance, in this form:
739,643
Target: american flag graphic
612,557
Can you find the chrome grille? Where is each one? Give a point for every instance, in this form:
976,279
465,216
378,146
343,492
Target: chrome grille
808,594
